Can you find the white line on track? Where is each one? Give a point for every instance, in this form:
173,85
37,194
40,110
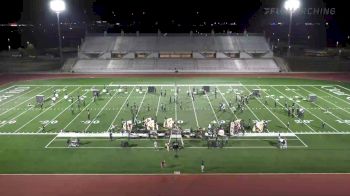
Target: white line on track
116,116
194,109
101,111
43,112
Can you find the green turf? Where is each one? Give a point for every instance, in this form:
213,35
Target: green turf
27,154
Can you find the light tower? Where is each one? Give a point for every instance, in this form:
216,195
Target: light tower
291,6
58,6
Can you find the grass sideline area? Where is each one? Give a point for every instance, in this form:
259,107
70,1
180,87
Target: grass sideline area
26,129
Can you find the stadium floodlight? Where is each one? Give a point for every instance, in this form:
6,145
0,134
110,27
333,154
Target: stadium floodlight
58,6
291,6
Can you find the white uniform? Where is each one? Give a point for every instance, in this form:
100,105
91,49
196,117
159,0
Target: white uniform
155,145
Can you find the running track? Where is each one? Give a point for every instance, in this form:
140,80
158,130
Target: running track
169,185
8,78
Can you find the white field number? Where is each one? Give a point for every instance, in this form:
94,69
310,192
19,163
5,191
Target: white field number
18,90
46,122
12,92
61,90
343,121
336,91
303,121
4,97
3,122
90,122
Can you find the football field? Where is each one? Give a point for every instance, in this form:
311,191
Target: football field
34,136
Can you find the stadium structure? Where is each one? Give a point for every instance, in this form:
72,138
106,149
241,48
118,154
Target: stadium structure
149,53
229,113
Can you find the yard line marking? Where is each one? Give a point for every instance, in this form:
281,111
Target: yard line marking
194,109
25,111
226,102
9,100
175,95
192,147
77,115
138,110
312,113
165,139
54,133
161,88
47,145
116,116
326,100
342,87
212,109
231,138
324,91
110,99
7,88
24,102
61,112
172,84
283,106
325,109
331,95
257,118
43,112
278,119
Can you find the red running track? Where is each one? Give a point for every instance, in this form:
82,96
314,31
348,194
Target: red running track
7,78
168,185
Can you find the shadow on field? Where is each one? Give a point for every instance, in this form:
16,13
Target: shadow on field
273,143
85,143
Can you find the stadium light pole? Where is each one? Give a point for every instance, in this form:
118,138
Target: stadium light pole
291,6
58,6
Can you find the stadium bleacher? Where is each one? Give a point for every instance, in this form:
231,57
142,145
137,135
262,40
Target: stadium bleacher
154,53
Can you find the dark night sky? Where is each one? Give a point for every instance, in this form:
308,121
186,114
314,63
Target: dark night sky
143,15
165,12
